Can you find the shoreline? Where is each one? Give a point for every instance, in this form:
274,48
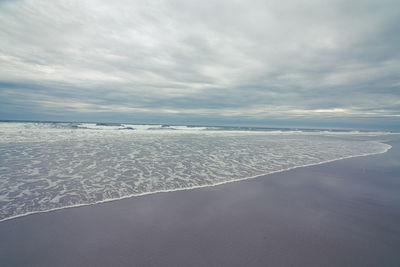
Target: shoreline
342,213
197,187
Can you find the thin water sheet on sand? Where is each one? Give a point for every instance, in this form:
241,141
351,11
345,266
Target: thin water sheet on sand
52,166
343,213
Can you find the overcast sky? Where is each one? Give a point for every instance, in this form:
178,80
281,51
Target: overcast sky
301,63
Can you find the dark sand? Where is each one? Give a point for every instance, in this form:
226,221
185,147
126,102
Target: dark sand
343,213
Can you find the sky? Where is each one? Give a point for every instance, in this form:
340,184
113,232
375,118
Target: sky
308,63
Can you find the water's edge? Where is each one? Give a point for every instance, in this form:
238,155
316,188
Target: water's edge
196,187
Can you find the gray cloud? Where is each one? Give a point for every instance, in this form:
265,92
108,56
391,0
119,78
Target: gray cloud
257,60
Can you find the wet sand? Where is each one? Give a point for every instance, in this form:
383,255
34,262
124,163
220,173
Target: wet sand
343,213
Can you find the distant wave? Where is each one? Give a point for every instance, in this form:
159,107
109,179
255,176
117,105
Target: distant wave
4,126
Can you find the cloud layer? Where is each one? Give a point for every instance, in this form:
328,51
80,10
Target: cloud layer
254,61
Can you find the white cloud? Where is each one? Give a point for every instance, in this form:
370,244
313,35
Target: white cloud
210,58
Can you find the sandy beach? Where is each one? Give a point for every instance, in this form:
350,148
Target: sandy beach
342,213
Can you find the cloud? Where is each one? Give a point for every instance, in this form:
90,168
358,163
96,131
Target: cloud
209,59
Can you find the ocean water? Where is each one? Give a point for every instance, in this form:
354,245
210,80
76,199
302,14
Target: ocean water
47,166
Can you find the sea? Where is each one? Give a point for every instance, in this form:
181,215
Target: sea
46,166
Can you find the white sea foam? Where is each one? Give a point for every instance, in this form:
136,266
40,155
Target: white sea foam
45,167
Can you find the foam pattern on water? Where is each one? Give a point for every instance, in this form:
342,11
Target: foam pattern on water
84,166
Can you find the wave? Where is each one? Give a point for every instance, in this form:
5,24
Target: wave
47,166
32,126
387,147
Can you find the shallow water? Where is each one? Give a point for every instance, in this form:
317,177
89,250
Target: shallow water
46,166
